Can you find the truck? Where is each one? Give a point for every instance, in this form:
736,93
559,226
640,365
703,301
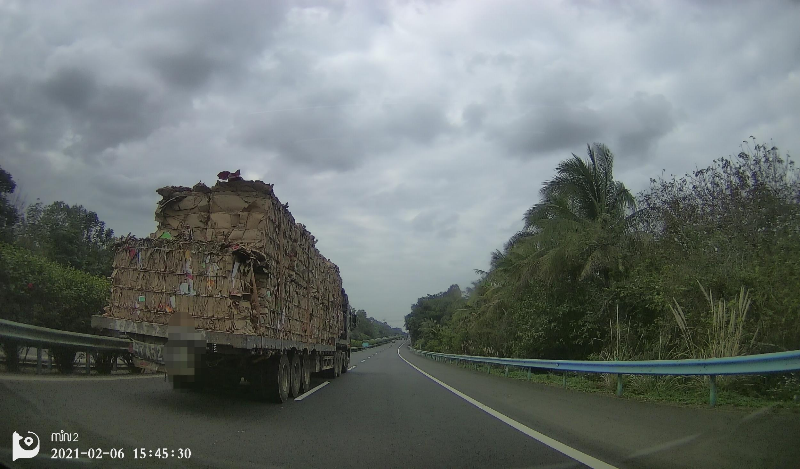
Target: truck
229,288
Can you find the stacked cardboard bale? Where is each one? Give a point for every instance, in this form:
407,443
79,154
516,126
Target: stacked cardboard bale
234,258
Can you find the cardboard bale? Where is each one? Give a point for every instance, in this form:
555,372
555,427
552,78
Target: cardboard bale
191,264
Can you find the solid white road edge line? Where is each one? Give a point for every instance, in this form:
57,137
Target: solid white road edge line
555,444
306,394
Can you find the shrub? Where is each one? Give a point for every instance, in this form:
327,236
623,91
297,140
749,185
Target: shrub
36,291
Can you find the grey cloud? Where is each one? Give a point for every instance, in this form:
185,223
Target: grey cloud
125,187
327,132
313,133
481,59
550,128
71,87
101,115
553,85
630,127
190,45
645,120
473,115
118,115
436,222
185,69
244,26
27,120
418,121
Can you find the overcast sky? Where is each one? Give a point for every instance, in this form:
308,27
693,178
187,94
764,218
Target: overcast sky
409,137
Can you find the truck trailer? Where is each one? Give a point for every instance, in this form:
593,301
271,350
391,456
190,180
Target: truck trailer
229,287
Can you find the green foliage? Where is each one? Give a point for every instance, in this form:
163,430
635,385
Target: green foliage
429,314
369,328
69,235
8,213
594,275
36,291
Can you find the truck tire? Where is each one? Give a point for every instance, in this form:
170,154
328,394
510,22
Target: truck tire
345,362
272,380
337,364
305,382
281,370
296,372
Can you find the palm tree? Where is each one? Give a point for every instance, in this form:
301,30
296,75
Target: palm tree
582,190
580,221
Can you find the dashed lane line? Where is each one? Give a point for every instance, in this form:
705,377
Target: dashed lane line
306,394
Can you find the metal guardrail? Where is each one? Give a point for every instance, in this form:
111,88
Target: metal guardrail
34,335
781,362
43,337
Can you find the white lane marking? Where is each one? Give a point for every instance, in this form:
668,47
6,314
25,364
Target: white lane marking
306,394
555,444
362,361
351,368
75,378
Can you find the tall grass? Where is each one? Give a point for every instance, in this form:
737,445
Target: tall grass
724,327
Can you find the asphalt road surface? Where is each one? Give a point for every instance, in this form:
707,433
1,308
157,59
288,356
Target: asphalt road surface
384,413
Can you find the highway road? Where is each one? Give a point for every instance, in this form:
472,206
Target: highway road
394,409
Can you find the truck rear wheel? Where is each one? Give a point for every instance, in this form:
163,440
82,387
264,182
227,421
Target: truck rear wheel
345,362
296,373
305,382
272,380
282,371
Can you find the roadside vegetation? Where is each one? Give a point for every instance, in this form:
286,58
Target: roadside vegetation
54,265
698,266
369,329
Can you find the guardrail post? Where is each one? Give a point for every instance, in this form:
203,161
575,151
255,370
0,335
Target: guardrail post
619,385
88,371
38,360
49,359
565,379
529,374
506,371
488,368
712,398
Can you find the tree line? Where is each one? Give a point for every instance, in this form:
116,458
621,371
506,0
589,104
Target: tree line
54,265
54,262
370,328
698,266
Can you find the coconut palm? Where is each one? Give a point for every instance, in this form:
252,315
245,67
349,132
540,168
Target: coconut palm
580,221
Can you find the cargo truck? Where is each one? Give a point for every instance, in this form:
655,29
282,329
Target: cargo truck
229,287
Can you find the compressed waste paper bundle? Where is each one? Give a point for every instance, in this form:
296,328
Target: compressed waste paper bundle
234,258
